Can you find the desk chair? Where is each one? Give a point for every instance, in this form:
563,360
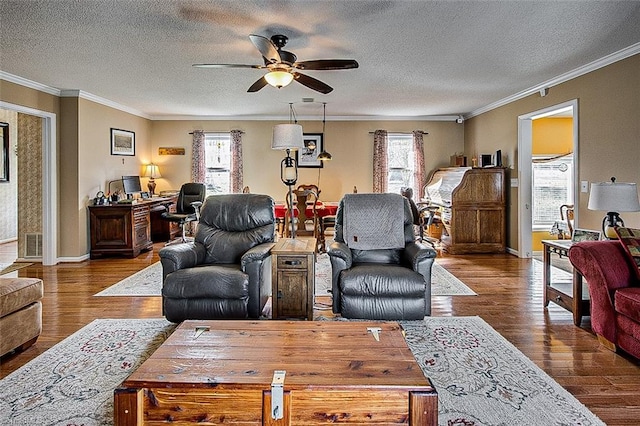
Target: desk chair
190,199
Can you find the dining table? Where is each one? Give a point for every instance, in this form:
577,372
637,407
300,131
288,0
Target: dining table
323,209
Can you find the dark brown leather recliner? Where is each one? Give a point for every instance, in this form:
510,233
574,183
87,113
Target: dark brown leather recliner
226,272
384,284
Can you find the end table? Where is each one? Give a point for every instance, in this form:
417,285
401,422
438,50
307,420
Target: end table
293,278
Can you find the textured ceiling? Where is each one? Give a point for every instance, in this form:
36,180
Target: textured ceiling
417,58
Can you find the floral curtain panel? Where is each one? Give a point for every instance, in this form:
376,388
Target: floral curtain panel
198,165
236,161
380,166
419,174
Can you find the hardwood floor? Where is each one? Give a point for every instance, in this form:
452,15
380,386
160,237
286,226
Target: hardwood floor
509,298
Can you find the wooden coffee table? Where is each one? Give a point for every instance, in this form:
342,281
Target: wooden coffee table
335,372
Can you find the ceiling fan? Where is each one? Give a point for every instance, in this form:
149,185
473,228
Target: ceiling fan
283,66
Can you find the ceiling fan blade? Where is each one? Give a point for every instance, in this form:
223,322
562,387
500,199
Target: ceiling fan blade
259,84
266,47
312,83
327,64
227,66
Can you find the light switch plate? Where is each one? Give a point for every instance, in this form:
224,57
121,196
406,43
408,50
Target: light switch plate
514,182
584,186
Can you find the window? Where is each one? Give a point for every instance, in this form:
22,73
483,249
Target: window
400,160
217,149
552,187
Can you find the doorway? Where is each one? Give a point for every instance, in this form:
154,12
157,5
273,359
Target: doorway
525,169
49,181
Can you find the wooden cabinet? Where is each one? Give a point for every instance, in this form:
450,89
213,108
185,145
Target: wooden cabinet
164,230
293,278
473,208
123,229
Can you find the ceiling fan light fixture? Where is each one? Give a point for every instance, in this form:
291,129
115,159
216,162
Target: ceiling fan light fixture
279,78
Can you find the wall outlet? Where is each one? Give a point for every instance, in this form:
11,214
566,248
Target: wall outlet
584,186
514,182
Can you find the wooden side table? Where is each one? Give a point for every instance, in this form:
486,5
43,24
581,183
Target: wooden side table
570,297
293,278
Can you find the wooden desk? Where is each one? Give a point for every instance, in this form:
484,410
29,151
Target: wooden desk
573,297
125,229
336,372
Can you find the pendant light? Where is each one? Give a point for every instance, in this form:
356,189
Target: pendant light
324,155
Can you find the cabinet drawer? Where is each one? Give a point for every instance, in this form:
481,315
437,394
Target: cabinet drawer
292,262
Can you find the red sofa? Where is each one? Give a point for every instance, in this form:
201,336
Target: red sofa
614,290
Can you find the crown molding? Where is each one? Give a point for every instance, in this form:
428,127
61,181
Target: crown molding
11,78
303,118
68,93
634,49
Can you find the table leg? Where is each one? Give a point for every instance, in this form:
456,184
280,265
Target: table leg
577,297
546,273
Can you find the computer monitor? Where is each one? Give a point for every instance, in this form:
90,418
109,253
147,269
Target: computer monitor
131,184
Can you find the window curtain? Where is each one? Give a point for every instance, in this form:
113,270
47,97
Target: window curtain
198,165
380,166
419,176
236,161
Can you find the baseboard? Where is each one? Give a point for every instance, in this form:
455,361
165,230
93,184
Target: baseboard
73,259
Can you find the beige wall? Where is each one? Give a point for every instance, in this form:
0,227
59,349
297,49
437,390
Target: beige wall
349,142
609,133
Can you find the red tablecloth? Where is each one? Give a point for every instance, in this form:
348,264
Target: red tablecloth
322,209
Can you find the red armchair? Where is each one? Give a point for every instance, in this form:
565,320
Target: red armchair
614,290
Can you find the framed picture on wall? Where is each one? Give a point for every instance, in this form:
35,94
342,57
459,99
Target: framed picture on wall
4,152
308,156
123,142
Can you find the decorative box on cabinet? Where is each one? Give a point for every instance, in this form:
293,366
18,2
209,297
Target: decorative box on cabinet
473,208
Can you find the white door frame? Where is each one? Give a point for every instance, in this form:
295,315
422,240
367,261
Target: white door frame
525,138
49,181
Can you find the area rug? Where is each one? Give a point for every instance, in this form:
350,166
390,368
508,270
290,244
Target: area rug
148,281
5,268
72,383
480,377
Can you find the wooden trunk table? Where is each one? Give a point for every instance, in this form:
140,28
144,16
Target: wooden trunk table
335,372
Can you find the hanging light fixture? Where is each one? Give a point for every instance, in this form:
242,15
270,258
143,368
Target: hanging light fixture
324,155
279,78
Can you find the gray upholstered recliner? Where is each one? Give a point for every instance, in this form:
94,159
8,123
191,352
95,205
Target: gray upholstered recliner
379,283
226,272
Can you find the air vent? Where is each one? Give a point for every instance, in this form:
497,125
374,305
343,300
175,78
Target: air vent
34,245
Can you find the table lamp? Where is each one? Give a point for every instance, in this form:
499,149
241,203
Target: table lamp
151,171
288,137
613,197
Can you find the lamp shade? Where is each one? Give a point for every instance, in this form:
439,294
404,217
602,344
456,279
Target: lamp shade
287,136
151,171
614,197
278,78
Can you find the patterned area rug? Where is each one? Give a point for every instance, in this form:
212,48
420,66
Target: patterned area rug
148,282
481,378
73,382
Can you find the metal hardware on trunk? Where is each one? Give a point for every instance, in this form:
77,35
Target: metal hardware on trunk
375,331
277,394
